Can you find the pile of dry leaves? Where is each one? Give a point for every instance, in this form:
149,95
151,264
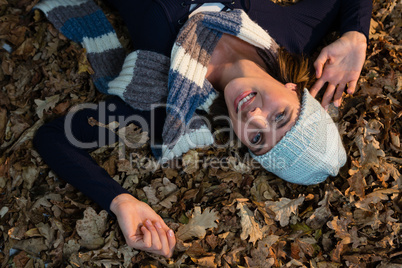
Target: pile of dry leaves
230,215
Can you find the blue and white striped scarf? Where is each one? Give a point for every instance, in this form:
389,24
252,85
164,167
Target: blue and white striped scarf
143,78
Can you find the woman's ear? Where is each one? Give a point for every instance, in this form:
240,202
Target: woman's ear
291,86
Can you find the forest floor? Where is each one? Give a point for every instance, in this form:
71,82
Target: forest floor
230,215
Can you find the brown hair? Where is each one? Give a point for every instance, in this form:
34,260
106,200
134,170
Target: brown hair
295,69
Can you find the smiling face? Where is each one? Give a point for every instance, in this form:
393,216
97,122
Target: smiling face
262,110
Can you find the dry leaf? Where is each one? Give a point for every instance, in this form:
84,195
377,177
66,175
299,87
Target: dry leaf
21,259
151,195
375,197
340,225
27,135
32,245
238,166
44,105
26,49
261,190
128,253
357,184
168,201
364,217
83,63
132,136
29,174
208,261
70,247
44,201
198,224
3,211
284,208
3,123
321,214
262,256
191,162
91,228
161,191
302,248
34,232
250,228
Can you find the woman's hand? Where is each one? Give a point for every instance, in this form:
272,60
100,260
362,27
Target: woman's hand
142,228
340,65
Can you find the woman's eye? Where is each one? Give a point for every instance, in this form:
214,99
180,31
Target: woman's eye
280,117
257,138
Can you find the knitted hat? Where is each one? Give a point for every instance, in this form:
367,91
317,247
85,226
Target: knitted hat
311,151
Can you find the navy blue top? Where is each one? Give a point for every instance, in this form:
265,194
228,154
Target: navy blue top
153,25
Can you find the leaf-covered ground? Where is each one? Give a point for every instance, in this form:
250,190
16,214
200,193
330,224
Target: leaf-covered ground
226,216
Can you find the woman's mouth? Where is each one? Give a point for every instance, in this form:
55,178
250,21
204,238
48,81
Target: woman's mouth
242,100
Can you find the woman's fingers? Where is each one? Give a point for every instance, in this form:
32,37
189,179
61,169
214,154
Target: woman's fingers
156,242
147,237
156,238
163,239
320,62
338,94
352,87
171,240
316,87
329,93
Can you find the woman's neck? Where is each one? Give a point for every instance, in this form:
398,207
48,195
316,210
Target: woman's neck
232,58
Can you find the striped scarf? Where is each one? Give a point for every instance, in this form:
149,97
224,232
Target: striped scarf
143,78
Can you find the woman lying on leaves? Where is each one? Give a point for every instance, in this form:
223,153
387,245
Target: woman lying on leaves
186,53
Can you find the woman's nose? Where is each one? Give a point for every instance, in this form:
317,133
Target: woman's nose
253,112
257,118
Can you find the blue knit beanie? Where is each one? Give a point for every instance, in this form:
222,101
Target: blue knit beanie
311,151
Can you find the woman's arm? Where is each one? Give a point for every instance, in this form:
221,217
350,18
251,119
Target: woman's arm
73,164
355,15
340,63
142,227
